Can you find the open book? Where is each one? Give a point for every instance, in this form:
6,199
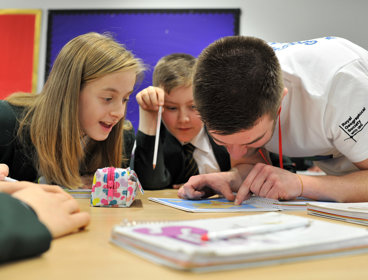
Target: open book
180,244
349,212
220,204
79,193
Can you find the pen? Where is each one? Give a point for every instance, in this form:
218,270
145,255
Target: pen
8,179
254,230
157,136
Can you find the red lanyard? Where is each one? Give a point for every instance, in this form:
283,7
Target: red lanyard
280,146
280,143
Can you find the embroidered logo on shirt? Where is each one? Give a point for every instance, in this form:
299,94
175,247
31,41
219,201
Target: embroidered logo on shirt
280,46
352,126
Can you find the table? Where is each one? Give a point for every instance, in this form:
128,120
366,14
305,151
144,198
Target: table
89,254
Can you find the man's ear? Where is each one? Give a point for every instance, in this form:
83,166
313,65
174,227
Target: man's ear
284,92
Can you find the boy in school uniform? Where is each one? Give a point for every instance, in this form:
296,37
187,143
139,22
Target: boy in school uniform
181,125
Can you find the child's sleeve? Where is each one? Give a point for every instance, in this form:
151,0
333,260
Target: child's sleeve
7,132
18,156
151,179
22,235
129,138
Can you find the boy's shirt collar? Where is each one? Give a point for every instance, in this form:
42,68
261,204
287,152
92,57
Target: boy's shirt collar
201,141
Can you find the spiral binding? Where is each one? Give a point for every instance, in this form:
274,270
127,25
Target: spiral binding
131,223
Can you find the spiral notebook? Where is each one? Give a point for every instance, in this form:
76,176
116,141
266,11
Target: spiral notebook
180,244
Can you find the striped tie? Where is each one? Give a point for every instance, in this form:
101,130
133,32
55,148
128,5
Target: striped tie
191,167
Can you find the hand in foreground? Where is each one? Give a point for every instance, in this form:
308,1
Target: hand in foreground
270,182
205,185
58,212
12,187
4,171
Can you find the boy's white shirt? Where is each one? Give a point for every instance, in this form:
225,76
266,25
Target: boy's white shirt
327,82
203,154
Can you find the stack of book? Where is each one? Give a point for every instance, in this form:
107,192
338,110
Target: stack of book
348,212
239,241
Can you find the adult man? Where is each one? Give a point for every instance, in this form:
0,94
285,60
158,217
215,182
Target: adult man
313,105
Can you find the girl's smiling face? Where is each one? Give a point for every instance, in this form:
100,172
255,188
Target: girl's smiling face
102,103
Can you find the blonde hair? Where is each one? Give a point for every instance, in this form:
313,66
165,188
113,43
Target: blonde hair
174,70
52,116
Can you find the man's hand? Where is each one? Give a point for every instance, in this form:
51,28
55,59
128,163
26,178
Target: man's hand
205,185
270,182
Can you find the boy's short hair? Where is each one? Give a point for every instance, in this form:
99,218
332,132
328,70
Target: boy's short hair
237,80
174,70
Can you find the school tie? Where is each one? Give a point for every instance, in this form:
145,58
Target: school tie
191,167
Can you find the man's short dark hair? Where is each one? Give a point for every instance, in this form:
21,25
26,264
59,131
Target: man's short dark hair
237,80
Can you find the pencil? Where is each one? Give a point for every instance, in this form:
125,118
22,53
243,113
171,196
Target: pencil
8,179
157,137
253,230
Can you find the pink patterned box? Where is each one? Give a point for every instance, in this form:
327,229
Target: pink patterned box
114,187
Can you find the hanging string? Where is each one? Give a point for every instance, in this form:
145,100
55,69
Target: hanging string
280,146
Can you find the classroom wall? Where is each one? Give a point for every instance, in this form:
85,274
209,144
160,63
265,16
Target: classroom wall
282,20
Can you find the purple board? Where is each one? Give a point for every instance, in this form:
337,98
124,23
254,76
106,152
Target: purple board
149,34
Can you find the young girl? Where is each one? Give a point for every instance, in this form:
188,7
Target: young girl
76,124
